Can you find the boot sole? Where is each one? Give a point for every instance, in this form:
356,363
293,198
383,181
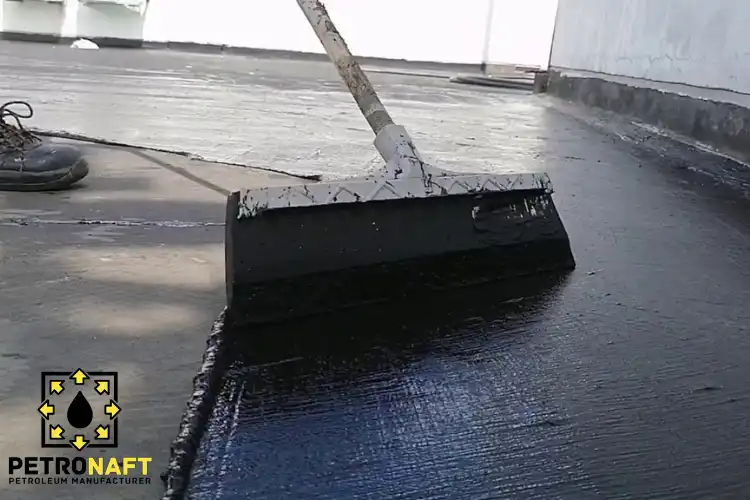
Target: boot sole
63,180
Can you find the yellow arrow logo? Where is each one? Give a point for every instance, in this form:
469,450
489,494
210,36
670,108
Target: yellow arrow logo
112,409
47,409
102,386
56,432
79,443
79,376
56,386
102,432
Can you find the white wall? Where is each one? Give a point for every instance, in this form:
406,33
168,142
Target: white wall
420,30
36,17
449,31
703,43
113,21
521,32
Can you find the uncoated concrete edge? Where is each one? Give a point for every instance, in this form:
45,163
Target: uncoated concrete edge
724,126
206,385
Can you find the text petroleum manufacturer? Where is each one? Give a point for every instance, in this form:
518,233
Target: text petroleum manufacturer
78,470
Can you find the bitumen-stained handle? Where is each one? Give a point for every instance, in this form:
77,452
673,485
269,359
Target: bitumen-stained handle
350,71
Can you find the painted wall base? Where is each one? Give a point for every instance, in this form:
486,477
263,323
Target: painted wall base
717,118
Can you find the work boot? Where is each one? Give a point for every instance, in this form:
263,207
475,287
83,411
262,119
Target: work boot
29,163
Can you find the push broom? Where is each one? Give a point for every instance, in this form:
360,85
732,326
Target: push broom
406,230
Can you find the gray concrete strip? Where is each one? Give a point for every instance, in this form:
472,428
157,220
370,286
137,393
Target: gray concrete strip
133,186
136,293
135,300
122,186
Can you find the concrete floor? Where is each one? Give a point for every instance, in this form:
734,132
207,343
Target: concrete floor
135,293
659,245
243,110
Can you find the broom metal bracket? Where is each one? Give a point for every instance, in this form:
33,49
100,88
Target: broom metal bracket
254,202
398,150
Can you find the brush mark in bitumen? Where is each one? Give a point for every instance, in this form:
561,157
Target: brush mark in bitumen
628,380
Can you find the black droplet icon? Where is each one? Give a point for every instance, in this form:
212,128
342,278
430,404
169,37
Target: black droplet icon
80,413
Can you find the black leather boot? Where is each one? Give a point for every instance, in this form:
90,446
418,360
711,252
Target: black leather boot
30,163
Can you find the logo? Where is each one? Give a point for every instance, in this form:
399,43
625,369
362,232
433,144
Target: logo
79,410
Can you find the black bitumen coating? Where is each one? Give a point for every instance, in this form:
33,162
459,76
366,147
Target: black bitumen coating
628,379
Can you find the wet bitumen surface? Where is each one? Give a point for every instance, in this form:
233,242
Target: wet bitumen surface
627,378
